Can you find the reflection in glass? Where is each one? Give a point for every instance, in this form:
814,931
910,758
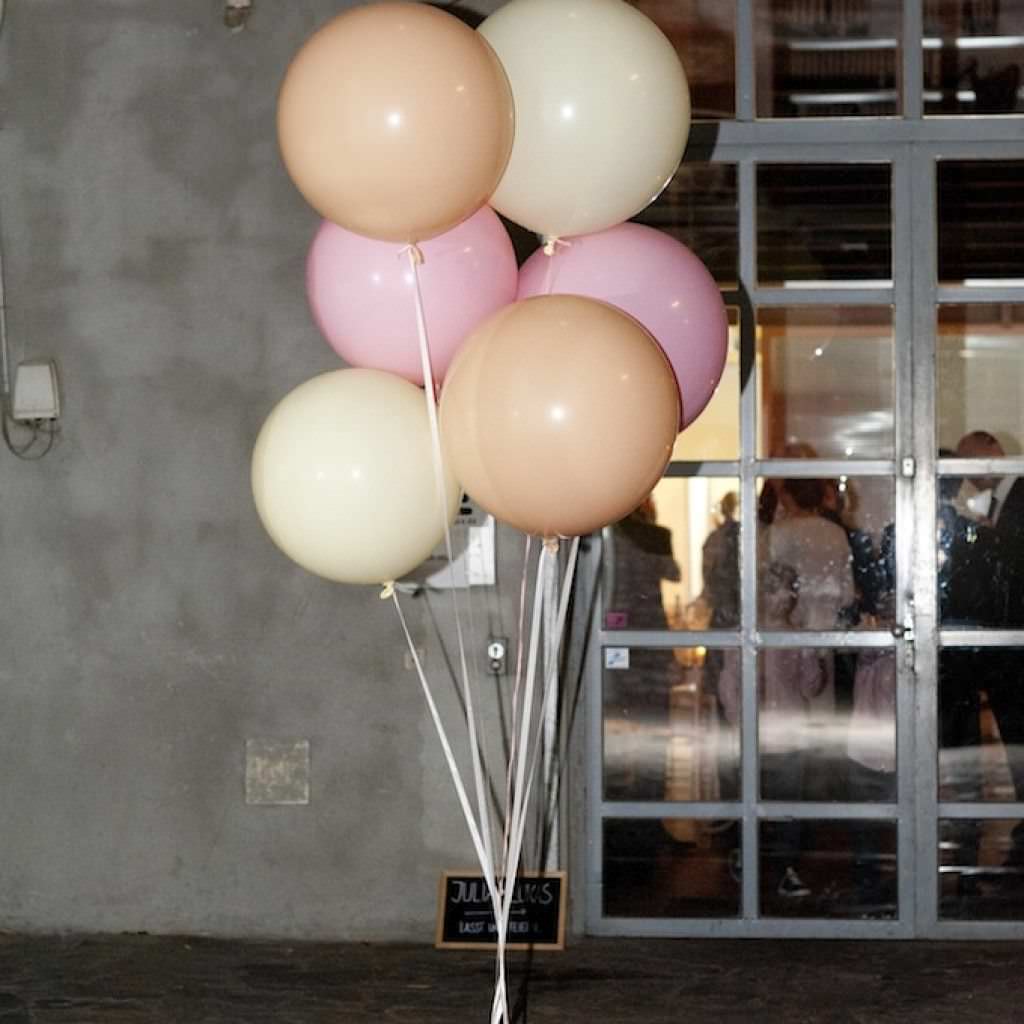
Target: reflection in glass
828,59
699,208
979,203
704,36
835,539
826,382
824,222
715,433
826,723
836,869
673,563
981,870
980,372
672,867
981,725
973,55
664,735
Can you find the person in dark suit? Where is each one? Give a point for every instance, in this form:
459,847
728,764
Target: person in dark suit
998,581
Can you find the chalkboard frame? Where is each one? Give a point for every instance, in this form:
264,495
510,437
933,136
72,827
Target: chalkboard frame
446,913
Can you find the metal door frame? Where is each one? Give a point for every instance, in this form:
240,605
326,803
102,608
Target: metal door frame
911,145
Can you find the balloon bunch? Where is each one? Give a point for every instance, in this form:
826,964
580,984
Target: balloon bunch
562,384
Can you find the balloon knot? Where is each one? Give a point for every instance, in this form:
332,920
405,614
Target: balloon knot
415,253
551,545
551,243
388,591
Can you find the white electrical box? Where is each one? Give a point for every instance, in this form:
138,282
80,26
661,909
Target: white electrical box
36,391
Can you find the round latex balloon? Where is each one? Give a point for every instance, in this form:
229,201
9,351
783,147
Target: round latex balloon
363,292
395,120
559,415
655,279
343,477
602,112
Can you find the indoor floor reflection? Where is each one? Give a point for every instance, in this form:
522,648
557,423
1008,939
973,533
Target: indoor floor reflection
981,876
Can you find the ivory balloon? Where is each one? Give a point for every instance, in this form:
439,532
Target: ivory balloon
559,415
395,121
343,477
602,112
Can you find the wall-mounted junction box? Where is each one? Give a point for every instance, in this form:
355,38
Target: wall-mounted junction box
36,391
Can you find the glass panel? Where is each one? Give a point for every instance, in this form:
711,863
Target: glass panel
979,205
673,563
981,870
826,724
980,569
825,553
823,58
671,867
973,52
824,223
704,35
844,869
825,382
981,724
981,373
700,209
715,433
666,735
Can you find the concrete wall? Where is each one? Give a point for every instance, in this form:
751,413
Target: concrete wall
154,246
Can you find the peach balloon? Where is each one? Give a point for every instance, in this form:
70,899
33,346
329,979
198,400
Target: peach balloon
395,121
559,414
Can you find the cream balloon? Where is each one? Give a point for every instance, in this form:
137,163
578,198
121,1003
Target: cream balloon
343,477
602,112
559,414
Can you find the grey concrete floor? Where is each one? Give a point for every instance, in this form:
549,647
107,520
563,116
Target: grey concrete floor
144,980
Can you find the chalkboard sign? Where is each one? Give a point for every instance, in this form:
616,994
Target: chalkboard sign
465,917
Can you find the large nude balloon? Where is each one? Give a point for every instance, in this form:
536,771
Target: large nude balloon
343,477
559,414
602,112
395,121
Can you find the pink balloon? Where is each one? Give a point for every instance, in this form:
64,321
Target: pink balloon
362,293
656,280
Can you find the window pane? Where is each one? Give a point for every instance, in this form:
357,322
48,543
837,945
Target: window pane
699,208
826,724
670,867
665,737
973,53
981,873
704,35
981,725
826,382
824,223
673,563
980,357
834,869
821,59
980,203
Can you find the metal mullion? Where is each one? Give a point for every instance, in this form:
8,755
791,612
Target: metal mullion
594,710
821,811
745,57
979,295
762,928
670,809
823,295
747,200
813,468
912,60
1008,466
834,639
734,139
668,639
988,811
993,931
981,638
921,204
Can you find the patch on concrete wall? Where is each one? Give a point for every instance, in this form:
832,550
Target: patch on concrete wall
277,771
